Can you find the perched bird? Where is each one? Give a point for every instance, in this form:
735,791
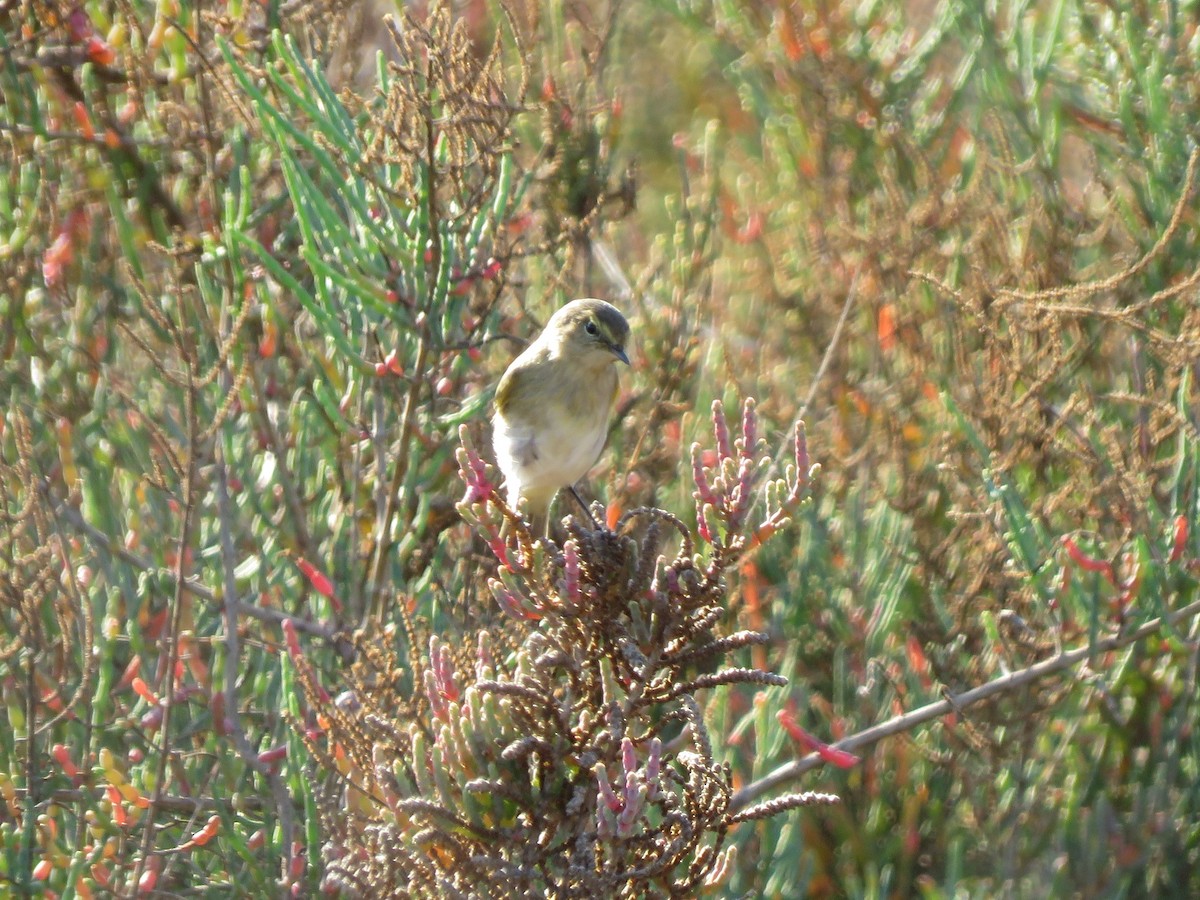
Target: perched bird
553,405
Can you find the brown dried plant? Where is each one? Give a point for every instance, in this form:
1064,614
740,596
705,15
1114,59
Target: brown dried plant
446,121
42,607
579,762
971,311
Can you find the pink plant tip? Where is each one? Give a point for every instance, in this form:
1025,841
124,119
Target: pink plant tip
628,755
803,465
702,522
475,494
843,759
474,474
672,578
743,493
443,669
604,789
654,762
511,603
483,655
749,429
437,700
500,550
721,431
704,491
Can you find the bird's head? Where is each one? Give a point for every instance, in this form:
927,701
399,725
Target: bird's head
590,329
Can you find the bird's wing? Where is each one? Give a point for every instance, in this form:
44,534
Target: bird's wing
517,374
517,440
506,387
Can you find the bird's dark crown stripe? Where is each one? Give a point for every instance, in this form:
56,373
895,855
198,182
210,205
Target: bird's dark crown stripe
613,323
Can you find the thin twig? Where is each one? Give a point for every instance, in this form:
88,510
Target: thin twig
383,542
167,664
233,659
173,803
96,140
283,471
230,325
1002,685
1006,296
819,375
836,339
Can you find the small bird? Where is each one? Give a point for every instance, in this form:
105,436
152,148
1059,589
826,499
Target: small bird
553,405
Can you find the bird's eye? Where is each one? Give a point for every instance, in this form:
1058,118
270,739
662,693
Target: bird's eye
590,327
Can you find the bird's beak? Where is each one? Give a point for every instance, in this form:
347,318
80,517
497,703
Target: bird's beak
619,353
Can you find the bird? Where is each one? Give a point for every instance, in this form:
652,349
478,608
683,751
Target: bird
553,405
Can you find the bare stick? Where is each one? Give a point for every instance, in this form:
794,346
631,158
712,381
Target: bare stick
233,659
1002,685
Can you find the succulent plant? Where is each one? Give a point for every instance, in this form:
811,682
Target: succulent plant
576,760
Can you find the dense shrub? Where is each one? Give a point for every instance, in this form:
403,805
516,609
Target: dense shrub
258,280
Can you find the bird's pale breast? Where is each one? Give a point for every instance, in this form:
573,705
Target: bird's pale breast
540,451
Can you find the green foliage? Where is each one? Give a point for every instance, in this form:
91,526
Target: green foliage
260,263
964,223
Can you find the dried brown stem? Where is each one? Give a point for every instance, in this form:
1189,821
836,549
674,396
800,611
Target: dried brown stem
953,703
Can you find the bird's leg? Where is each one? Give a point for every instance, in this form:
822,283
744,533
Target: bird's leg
587,512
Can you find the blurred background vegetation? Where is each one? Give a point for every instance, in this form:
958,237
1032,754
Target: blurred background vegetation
254,280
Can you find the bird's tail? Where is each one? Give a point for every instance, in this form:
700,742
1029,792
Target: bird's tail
534,506
539,523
